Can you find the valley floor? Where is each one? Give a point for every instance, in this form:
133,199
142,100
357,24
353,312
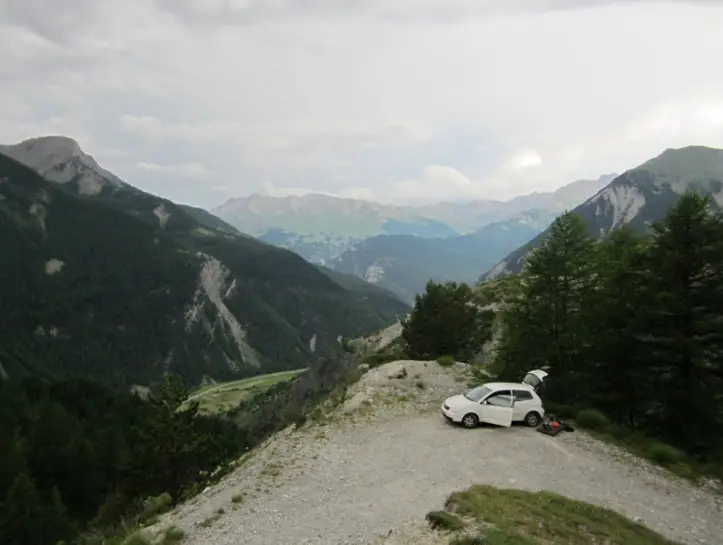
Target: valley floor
371,472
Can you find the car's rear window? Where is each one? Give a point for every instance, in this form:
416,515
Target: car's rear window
476,394
532,380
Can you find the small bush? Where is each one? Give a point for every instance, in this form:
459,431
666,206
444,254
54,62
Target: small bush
443,520
294,415
156,505
385,355
317,414
592,419
237,498
446,361
173,535
420,385
136,539
353,376
347,346
665,455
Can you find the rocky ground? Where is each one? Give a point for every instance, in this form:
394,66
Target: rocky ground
368,470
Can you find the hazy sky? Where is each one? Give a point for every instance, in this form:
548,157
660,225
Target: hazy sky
395,100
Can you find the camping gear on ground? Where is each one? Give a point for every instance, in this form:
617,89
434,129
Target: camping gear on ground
552,426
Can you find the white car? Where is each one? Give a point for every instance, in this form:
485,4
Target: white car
499,403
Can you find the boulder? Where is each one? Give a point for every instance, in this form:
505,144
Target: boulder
397,371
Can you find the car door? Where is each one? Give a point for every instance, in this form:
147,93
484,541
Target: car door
523,401
498,408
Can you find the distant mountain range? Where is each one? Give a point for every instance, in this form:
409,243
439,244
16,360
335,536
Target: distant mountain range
404,264
103,280
401,247
316,217
638,197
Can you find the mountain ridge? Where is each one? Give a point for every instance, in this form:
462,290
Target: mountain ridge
638,197
121,285
256,214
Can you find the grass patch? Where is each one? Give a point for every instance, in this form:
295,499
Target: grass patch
237,498
444,520
446,361
516,517
491,536
224,396
420,385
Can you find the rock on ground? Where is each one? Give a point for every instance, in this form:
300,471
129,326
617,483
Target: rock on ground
370,472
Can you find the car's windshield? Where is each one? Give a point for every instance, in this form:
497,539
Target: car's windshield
478,393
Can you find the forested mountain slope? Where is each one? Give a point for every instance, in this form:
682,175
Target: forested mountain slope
404,264
102,280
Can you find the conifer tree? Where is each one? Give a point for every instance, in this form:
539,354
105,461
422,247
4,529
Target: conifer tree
544,325
445,322
685,327
616,319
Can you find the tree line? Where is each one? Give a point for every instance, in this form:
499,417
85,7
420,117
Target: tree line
77,458
83,463
630,324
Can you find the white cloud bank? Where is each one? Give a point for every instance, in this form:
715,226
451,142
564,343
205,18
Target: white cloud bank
400,101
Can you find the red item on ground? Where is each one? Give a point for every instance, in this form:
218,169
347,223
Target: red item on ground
555,424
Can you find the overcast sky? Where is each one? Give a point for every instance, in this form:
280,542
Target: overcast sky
393,100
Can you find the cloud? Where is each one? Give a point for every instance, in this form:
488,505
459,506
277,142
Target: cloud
409,99
524,159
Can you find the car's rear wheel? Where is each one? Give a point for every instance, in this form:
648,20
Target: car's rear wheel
470,420
532,419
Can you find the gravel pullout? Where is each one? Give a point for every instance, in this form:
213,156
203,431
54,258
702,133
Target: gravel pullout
353,481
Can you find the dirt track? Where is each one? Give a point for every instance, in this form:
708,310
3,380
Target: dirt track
358,477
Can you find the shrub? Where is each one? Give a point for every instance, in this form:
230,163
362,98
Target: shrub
347,346
443,520
420,385
173,535
155,505
294,415
352,376
592,419
446,361
385,355
665,455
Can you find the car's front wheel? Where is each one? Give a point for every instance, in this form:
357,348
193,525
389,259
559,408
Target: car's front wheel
470,420
532,419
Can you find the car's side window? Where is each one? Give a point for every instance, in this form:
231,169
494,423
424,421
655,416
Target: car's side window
503,398
522,395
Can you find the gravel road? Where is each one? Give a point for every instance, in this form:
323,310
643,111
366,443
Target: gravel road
359,476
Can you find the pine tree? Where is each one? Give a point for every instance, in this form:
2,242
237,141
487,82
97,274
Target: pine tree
543,326
685,290
26,520
616,320
445,322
